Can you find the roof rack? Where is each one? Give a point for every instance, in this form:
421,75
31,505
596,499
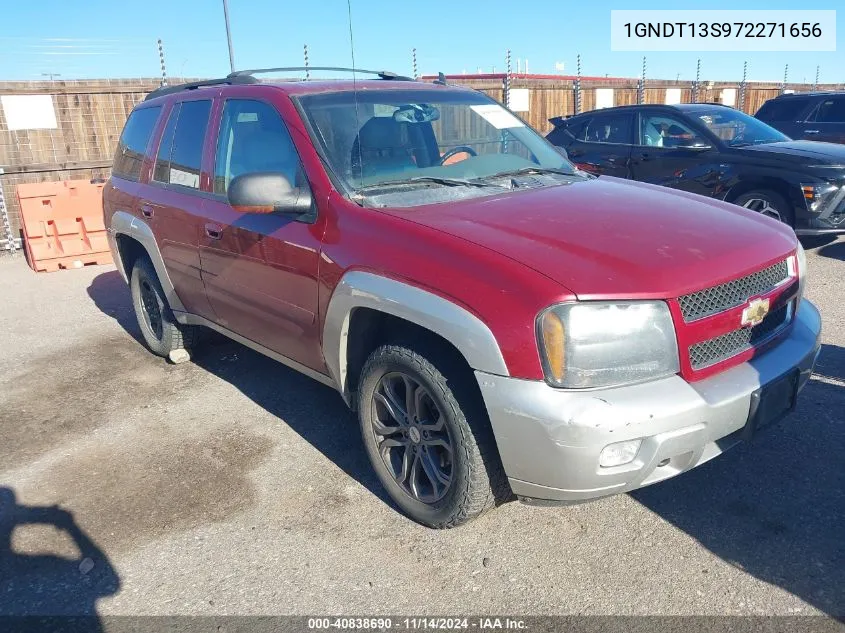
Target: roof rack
193,85
246,77
381,74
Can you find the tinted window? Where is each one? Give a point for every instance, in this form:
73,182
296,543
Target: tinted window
253,138
831,111
161,172
789,109
133,142
578,128
180,163
660,130
609,128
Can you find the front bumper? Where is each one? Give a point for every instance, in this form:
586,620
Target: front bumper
550,439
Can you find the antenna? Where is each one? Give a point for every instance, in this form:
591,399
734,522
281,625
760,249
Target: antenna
355,91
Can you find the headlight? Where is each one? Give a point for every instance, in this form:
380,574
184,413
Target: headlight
817,197
604,343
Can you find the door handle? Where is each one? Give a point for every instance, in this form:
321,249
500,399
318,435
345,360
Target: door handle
645,157
147,211
214,231
811,131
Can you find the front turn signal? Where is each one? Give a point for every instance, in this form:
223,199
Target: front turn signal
553,340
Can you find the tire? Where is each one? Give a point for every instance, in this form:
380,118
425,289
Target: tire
161,332
446,410
768,203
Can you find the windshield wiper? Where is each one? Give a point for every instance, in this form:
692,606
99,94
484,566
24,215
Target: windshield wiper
530,170
451,182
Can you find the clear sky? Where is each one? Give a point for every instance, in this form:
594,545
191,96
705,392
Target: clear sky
105,38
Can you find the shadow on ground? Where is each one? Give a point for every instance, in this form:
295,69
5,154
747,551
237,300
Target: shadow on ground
49,584
775,507
314,411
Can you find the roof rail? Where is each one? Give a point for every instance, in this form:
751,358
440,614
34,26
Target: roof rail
166,90
381,74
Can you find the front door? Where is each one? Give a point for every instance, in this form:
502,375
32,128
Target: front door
670,152
603,145
260,270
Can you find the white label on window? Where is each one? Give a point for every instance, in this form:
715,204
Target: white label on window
184,178
673,96
383,110
497,116
519,99
604,98
247,117
29,112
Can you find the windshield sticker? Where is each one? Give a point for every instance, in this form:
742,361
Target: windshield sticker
383,110
497,116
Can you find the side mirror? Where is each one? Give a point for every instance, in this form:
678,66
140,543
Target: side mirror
268,193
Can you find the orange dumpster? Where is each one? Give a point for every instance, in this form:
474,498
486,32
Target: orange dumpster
63,224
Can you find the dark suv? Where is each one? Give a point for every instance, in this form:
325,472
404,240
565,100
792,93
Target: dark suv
715,151
815,116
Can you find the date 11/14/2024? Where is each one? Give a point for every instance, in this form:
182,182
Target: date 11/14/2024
418,623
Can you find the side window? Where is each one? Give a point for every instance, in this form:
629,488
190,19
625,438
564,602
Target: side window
133,142
253,138
609,128
161,173
659,130
782,110
578,130
180,152
831,111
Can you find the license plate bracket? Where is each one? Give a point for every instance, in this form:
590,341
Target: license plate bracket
771,402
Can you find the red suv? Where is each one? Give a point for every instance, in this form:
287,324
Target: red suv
503,323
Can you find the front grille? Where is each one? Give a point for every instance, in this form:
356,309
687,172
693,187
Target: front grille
722,347
733,293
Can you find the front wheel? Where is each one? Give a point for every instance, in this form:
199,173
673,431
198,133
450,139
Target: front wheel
429,442
767,203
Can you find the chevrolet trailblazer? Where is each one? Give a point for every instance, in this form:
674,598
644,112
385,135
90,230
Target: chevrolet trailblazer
503,323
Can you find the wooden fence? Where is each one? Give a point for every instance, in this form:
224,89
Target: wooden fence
89,116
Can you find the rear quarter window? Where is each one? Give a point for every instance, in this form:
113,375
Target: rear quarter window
133,142
783,109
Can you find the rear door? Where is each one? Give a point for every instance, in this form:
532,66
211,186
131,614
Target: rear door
671,152
827,122
260,270
173,200
787,114
602,144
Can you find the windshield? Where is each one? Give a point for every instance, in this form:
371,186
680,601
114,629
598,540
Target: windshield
425,138
736,128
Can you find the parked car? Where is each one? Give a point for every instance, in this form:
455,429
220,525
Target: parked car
715,151
503,324
812,116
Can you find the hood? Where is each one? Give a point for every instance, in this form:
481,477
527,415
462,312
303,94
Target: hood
807,152
609,237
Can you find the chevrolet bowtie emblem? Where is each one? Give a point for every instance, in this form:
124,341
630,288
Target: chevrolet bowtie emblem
755,312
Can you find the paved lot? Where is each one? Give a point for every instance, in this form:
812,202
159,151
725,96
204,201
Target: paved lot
232,485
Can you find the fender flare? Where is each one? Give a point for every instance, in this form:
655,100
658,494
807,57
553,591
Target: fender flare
124,223
358,289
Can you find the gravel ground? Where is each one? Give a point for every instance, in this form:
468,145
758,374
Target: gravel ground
232,485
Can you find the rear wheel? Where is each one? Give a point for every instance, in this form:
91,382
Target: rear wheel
161,332
767,202
430,444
